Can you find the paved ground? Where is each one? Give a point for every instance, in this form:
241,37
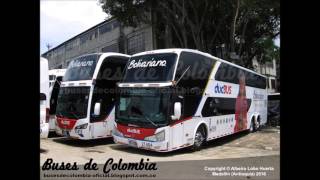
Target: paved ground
263,143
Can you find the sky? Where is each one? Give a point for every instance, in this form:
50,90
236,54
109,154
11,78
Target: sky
60,20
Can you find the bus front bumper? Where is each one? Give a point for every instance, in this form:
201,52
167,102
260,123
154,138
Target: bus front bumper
141,144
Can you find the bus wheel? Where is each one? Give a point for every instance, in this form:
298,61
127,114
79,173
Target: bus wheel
252,126
199,138
257,124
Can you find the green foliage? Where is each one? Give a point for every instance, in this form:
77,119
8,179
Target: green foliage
245,27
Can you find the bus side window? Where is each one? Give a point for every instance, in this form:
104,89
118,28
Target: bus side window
218,106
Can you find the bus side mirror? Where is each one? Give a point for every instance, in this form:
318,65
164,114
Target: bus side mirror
97,109
177,111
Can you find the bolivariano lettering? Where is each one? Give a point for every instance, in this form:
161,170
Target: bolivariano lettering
80,63
145,64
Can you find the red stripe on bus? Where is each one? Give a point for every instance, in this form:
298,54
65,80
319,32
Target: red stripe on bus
135,132
66,123
180,121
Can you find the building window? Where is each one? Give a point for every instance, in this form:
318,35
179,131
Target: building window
84,38
105,28
136,43
93,34
115,24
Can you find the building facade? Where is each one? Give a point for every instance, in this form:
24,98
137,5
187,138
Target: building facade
108,36
111,36
270,69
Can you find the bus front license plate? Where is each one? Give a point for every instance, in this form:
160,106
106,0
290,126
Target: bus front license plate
133,143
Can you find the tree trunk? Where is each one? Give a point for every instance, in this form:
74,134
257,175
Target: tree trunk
233,27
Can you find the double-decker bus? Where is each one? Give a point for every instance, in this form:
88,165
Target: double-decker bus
176,98
86,98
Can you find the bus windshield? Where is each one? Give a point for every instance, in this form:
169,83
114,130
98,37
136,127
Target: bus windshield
81,68
73,102
150,68
143,107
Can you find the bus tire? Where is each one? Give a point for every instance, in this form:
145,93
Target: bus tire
200,138
252,126
257,124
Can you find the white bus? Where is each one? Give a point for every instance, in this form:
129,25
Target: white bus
54,74
85,106
176,98
44,98
53,93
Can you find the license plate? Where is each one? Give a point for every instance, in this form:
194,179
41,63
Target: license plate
146,145
133,143
65,133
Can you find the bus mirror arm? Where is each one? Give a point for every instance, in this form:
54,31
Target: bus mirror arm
97,109
177,111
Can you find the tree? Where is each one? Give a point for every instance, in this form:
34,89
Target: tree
204,24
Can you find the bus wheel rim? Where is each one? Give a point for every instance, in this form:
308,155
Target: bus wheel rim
199,138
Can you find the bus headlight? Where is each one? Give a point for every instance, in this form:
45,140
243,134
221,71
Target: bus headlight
116,132
82,126
160,136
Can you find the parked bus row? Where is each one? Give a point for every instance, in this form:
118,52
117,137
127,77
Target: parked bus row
160,100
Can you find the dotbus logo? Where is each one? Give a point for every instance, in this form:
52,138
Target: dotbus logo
135,131
222,89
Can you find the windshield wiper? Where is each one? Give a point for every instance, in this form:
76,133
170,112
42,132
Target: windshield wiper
74,114
145,117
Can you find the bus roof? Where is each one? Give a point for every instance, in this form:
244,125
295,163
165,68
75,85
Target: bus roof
179,50
105,53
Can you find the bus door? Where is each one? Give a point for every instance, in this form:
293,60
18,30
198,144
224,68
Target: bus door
177,126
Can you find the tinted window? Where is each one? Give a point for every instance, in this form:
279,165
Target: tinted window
150,68
54,95
220,106
81,68
110,73
227,73
52,77
193,71
73,102
230,74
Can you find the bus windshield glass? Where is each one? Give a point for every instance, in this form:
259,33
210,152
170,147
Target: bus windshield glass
150,68
73,102
143,107
81,68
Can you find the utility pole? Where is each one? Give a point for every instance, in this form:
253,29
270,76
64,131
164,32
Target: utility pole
48,46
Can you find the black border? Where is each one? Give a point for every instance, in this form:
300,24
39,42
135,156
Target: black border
21,73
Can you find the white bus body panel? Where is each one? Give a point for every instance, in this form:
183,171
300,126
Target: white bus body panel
44,104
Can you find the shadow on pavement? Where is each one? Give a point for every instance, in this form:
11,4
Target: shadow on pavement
84,143
43,151
53,134
188,150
